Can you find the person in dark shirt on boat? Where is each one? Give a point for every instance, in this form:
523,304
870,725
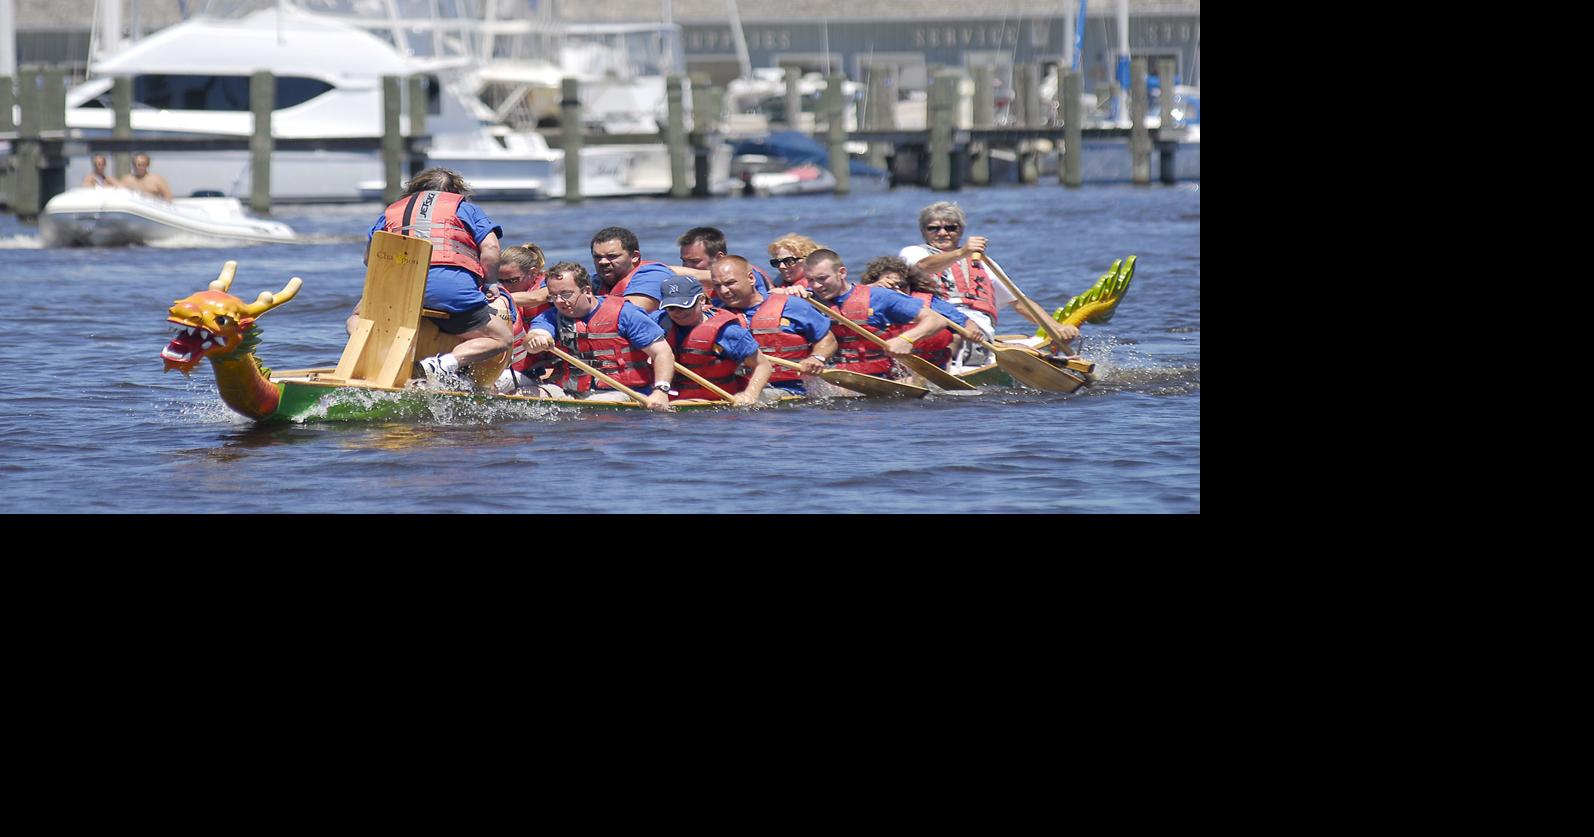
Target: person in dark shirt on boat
98,179
465,254
713,343
608,332
785,326
701,247
618,264
873,307
146,181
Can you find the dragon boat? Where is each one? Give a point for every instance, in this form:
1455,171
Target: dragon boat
377,377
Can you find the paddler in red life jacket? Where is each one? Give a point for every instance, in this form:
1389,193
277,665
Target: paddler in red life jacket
968,286
521,278
875,308
464,259
607,332
894,273
618,267
701,248
713,343
785,326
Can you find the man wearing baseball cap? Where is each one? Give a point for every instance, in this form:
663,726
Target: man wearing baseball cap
714,344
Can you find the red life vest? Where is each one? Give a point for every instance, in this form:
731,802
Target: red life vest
697,353
855,353
600,343
620,286
542,359
765,324
517,326
937,348
971,286
435,216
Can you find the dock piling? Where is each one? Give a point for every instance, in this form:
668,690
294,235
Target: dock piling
984,117
570,131
675,137
1026,88
122,125
941,114
262,101
1073,129
1139,137
836,132
418,100
392,141
1167,134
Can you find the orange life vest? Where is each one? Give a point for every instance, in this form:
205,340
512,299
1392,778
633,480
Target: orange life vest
625,282
697,353
970,285
598,341
765,324
856,353
435,216
937,348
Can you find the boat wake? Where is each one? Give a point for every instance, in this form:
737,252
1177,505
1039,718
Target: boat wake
21,242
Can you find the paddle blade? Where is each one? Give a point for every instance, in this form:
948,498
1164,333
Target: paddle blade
1035,372
870,385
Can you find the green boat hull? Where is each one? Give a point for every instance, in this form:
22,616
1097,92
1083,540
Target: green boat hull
309,401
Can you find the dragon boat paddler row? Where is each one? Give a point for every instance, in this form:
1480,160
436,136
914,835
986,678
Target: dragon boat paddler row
378,377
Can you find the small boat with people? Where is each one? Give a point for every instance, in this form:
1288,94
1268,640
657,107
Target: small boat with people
101,217
379,377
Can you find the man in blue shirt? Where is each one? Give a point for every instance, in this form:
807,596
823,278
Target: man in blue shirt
636,343
802,333
701,248
683,309
828,282
617,263
464,260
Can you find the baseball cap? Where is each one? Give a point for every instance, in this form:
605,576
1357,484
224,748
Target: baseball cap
680,292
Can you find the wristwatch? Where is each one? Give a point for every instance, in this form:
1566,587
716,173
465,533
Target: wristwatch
664,388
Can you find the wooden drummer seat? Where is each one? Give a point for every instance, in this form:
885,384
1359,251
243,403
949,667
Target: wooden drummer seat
381,348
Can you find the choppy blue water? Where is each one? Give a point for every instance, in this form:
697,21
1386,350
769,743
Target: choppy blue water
88,422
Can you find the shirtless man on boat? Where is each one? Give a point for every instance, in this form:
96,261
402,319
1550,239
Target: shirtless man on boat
607,332
146,181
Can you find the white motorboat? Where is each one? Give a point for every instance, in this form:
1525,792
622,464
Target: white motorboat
329,58
110,217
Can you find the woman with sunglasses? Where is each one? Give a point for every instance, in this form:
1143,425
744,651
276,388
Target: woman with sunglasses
786,255
968,286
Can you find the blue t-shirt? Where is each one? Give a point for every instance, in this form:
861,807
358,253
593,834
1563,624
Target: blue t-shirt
948,310
801,319
647,279
449,287
634,324
734,341
890,307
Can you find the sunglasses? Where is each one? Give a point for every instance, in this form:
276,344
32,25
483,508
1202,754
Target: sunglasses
948,228
786,262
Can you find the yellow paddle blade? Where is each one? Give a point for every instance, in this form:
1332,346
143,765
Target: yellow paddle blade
1096,306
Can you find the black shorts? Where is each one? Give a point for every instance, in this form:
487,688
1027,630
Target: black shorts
473,320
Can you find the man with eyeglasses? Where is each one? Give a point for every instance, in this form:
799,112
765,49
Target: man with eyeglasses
608,332
969,287
785,326
618,268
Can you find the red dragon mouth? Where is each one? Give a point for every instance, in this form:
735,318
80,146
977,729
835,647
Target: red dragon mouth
189,347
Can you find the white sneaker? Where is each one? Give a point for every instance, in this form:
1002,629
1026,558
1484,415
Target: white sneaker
440,378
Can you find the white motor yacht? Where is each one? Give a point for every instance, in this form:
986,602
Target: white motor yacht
94,217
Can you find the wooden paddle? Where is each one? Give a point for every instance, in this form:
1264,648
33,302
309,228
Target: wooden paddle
923,368
858,382
1034,310
704,382
577,363
1027,366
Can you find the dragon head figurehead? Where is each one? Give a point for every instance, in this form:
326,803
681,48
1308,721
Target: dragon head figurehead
213,322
